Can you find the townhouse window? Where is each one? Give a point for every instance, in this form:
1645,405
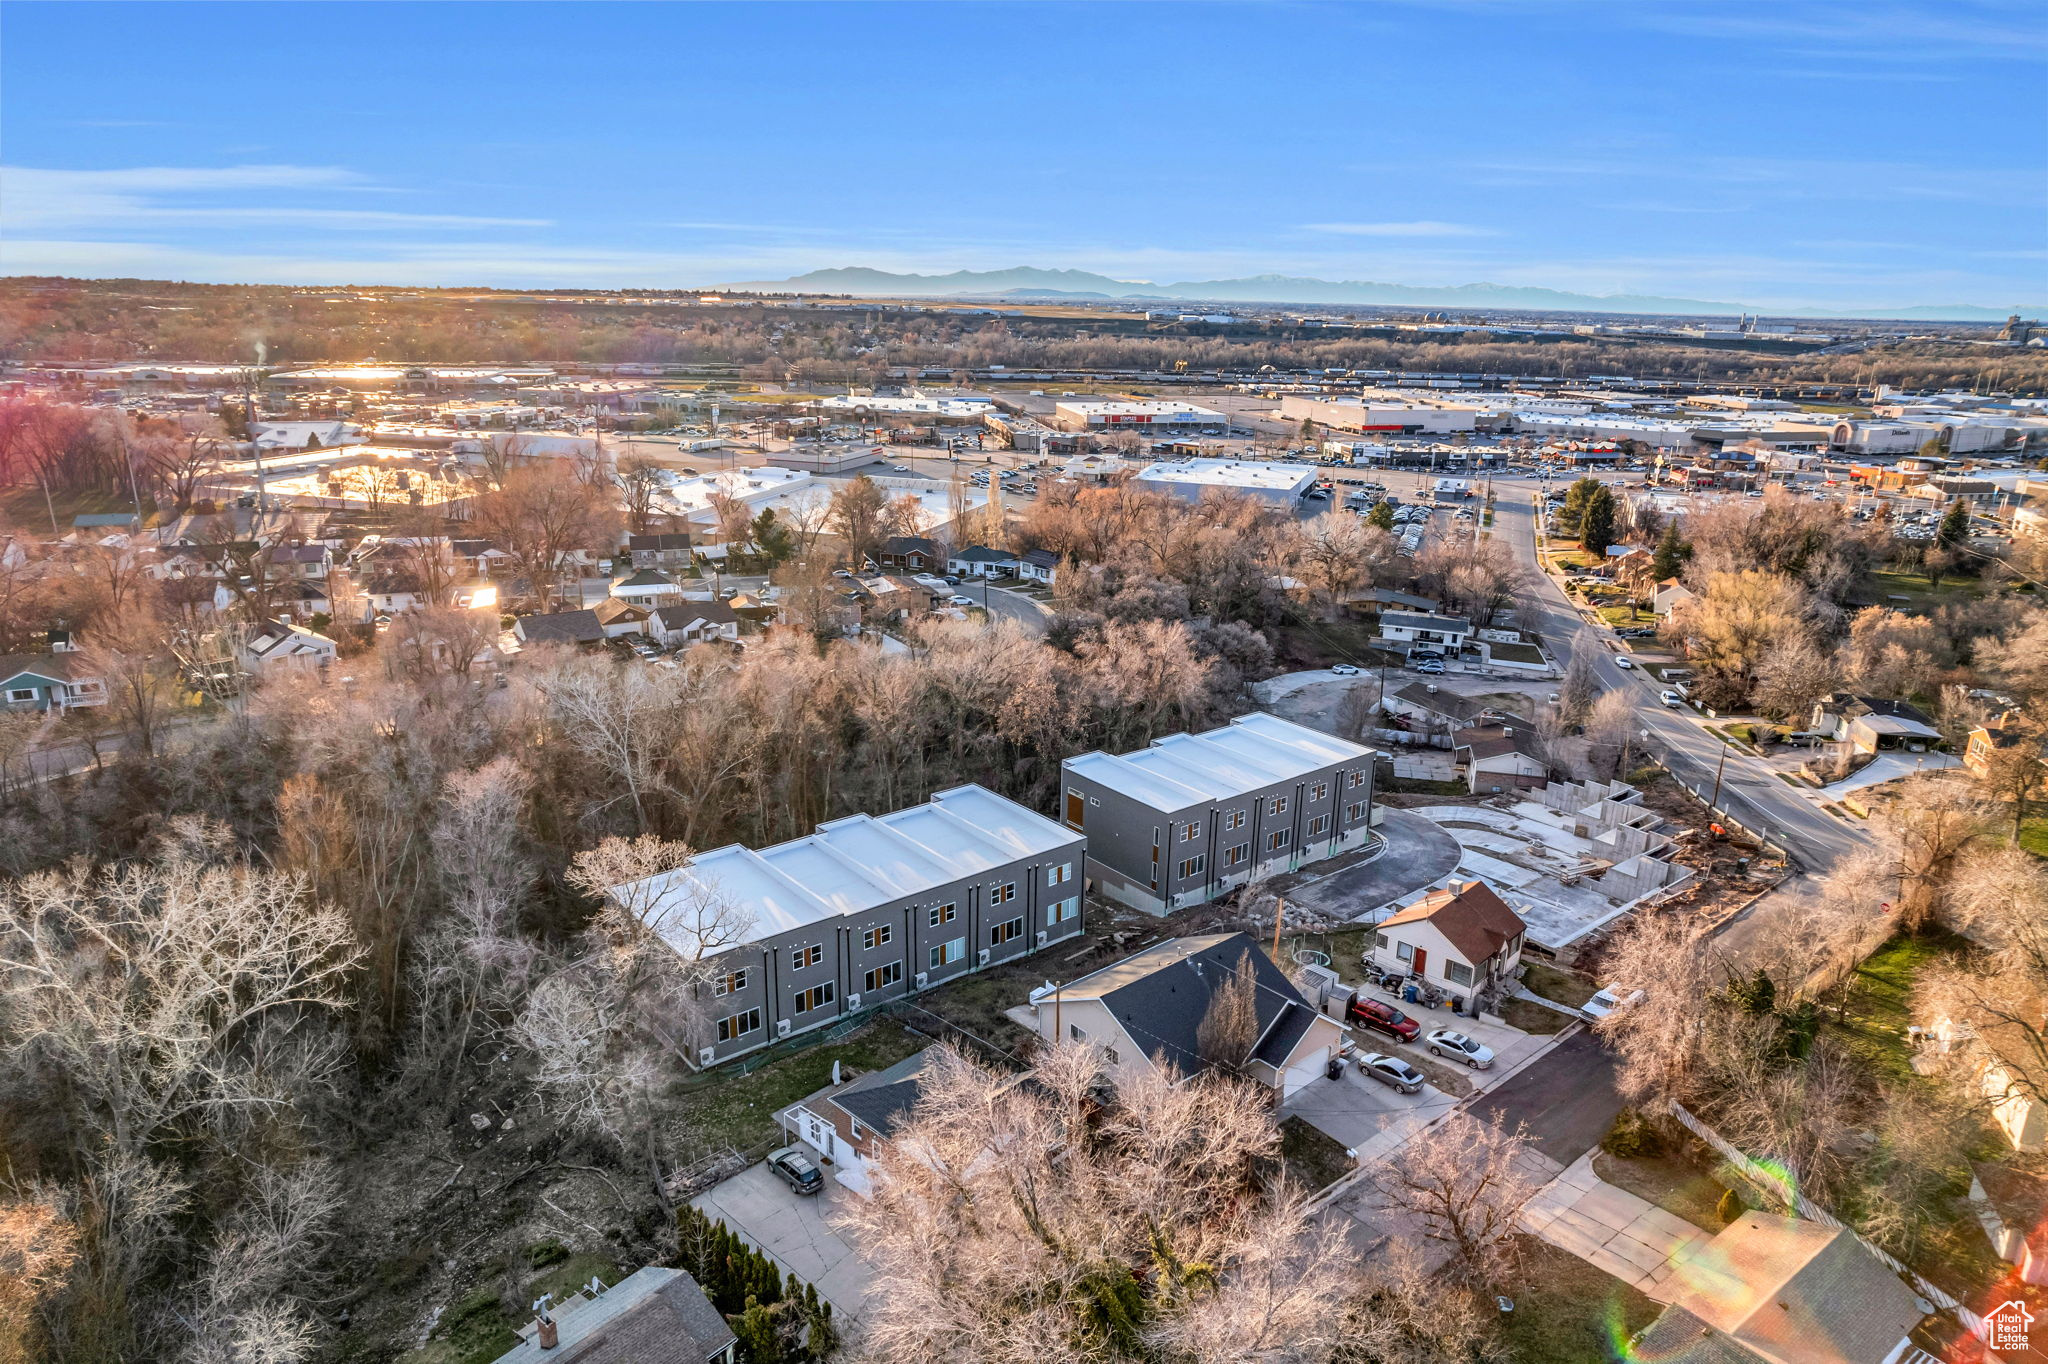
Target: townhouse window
730,982
1405,951
1192,832
1234,820
1277,805
1318,826
1109,1055
1457,973
734,1026
1192,866
1276,840
1354,812
946,953
1319,790
1077,806
1357,780
1066,909
1074,1033
809,955
1006,931
877,936
1003,894
1060,875
1234,857
940,914
883,976
817,997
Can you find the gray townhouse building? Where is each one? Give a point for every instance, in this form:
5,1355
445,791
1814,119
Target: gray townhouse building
868,909
1197,815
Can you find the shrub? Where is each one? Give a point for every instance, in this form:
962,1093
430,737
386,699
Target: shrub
1631,1136
544,1253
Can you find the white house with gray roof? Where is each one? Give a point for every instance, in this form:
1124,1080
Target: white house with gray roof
866,910
1194,816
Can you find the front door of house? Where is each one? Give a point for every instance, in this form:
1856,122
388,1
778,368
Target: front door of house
1421,960
819,1134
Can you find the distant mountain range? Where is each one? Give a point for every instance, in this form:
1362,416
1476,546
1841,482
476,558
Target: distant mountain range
1029,282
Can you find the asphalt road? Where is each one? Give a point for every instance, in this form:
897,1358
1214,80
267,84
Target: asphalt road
1567,1099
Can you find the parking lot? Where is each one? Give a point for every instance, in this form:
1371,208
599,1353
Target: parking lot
794,1230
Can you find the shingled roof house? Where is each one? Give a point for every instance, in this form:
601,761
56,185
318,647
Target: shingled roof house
652,1316
1146,1011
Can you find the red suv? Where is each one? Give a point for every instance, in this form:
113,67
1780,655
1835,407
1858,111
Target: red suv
1370,1013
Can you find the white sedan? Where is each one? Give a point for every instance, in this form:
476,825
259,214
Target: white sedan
1624,663
1454,1044
1345,670
957,600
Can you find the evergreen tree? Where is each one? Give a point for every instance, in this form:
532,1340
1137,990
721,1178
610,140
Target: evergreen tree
1955,526
1596,523
771,541
1576,498
1381,516
1672,554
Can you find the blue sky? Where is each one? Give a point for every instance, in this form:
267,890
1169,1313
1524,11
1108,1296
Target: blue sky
1838,155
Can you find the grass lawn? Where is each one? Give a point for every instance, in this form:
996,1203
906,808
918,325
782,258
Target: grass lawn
1311,1157
1419,786
1567,1311
1532,1017
1345,949
1671,1182
730,1109
1886,583
1871,1017
1558,983
2034,835
1517,653
1625,615
24,506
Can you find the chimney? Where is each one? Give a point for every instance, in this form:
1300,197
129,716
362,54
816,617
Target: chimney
547,1333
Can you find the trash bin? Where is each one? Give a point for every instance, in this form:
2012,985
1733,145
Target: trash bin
1335,1068
1409,994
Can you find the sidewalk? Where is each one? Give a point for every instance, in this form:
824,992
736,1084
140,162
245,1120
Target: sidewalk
1612,1229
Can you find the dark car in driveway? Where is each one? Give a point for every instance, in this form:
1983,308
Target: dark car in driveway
796,1169
1371,1013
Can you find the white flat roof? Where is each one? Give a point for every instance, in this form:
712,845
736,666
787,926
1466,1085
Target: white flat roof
1185,769
1143,407
851,865
1230,473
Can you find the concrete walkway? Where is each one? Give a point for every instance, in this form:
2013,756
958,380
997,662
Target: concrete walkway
1612,1229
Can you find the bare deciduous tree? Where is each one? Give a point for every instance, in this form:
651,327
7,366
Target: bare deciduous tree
1463,1187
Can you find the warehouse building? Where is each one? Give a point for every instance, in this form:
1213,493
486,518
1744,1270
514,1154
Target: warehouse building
1197,815
1391,415
1191,479
863,911
1159,415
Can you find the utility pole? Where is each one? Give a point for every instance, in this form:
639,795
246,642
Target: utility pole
1279,913
1719,768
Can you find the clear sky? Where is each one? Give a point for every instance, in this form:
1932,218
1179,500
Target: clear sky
1863,154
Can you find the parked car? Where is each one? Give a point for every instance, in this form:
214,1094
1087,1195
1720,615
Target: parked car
1671,699
1383,1017
1430,668
796,1169
1454,1044
1605,1001
899,468
1624,663
957,600
1345,670
1392,1070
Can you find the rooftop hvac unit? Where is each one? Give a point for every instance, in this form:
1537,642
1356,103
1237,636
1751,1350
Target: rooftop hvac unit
923,979
706,1055
981,957
782,1027
853,1000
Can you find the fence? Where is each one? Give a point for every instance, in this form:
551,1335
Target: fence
1776,1186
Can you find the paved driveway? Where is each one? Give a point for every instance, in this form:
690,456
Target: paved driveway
1629,1237
793,1231
1417,854
1367,1116
1567,1098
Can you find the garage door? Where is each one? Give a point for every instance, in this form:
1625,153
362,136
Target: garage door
1308,1068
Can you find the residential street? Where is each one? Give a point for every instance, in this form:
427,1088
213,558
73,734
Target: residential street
1567,1099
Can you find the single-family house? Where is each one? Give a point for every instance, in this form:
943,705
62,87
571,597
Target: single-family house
1505,755
979,561
102,523
54,681
1635,572
1194,816
275,645
1421,629
866,910
306,435
1431,708
669,551
2001,734
652,1316
910,554
1387,598
891,595
1146,1012
1463,937
1039,565
1772,1289
301,561
1873,724
620,618
691,622
647,588
1669,596
848,1123
560,627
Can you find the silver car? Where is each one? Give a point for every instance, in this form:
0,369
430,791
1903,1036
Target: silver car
1392,1070
1458,1047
